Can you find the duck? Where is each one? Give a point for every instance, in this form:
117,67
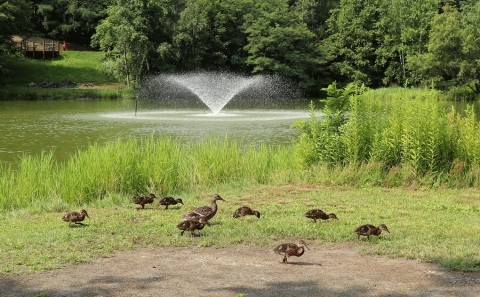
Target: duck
319,214
291,249
144,199
169,201
245,211
205,212
191,225
368,229
75,217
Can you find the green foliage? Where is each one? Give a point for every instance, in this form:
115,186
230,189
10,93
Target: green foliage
395,128
279,41
353,32
124,35
319,140
74,21
453,56
135,166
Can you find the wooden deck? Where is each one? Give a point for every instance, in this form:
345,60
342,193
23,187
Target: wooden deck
45,49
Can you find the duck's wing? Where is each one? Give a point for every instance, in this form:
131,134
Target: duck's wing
314,213
71,216
285,248
138,199
183,225
192,215
166,200
364,229
203,210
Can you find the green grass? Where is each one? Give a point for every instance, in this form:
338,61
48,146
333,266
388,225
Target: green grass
79,66
135,166
438,226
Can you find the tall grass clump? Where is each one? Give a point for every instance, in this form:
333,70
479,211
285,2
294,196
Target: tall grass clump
408,134
131,166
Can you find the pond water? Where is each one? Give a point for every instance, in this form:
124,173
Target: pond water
30,127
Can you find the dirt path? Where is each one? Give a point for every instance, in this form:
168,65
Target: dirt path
325,270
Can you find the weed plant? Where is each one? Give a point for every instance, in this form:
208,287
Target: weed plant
400,130
136,166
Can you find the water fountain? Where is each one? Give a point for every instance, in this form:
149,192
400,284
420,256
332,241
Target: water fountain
208,95
215,89
197,105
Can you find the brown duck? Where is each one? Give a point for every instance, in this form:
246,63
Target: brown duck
316,214
291,249
367,230
75,217
191,225
143,199
245,211
205,212
169,201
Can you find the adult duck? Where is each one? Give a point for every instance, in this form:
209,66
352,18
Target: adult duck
205,212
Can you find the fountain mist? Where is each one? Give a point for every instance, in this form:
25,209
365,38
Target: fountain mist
217,89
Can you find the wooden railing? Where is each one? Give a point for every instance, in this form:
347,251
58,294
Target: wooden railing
40,50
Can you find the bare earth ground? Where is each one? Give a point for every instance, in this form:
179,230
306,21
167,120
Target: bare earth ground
325,270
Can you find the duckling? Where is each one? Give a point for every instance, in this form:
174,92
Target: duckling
245,211
319,214
205,212
169,201
367,230
191,225
291,249
144,199
75,217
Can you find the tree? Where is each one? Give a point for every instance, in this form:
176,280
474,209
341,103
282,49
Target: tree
191,37
123,35
70,20
14,19
354,34
209,34
280,42
405,25
453,56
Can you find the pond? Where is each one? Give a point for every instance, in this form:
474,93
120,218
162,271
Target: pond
30,127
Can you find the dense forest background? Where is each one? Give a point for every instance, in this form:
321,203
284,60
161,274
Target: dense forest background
313,42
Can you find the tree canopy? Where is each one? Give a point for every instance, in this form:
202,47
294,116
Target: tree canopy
313,42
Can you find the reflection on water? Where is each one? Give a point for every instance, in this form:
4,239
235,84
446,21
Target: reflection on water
66,126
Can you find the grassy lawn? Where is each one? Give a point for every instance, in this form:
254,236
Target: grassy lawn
79,66
438,226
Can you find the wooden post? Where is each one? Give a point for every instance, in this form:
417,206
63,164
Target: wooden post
44,49
33,49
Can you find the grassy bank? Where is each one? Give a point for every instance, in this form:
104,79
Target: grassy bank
136,166
435,226
83,67
426,152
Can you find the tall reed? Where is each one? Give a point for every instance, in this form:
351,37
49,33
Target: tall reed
396,128
132,166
